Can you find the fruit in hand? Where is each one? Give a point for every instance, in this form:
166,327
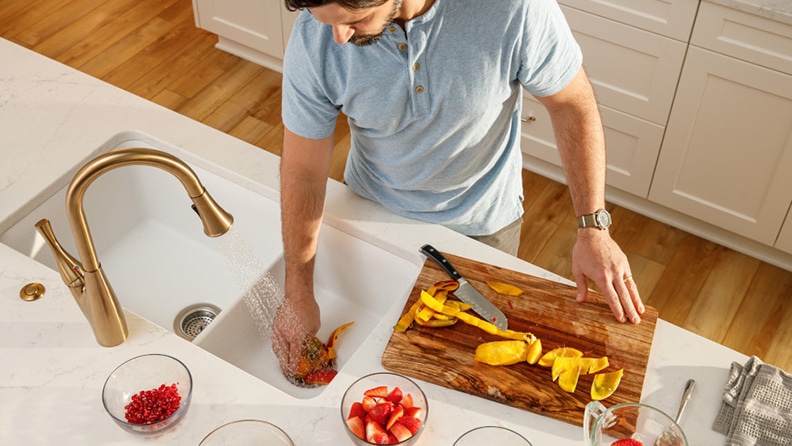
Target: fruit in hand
384,416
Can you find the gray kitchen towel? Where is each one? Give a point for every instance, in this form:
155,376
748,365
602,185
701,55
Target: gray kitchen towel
757,406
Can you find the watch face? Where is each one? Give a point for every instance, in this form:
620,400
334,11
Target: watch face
603,218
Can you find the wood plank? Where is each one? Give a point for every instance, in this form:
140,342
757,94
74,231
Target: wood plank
716,305
102,41
82,29
56,21
759,318
444,356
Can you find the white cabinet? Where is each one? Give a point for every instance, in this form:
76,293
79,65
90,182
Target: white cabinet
634,74
727,154
256,30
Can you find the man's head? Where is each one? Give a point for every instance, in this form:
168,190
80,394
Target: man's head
360,22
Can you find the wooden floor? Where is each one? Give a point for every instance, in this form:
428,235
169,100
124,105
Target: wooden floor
152,49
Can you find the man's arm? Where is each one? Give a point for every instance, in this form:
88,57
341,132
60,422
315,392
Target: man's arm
581,144
304,168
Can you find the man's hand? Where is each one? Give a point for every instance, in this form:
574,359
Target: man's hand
597,257
296,322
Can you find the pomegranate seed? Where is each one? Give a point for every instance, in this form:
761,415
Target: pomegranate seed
150,406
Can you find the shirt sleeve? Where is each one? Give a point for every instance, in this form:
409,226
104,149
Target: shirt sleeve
305,108
551,57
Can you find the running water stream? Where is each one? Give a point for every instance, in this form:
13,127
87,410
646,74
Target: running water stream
261,293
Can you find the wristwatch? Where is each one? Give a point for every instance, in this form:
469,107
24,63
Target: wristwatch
600,220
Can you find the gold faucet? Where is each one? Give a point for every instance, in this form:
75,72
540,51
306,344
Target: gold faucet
85,278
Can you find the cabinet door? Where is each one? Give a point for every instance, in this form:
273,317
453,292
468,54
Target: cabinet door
632,145
253,23
727,154
631,70
671,18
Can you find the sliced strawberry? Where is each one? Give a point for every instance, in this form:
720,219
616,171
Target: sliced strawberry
376,434
414,411
368,403
379,392
411,423
627,442
380,412
355,425
357,410
320,377
401,432
395,414
392,439
395,395
406,401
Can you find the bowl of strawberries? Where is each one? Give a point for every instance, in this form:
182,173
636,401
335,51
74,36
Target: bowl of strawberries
384,408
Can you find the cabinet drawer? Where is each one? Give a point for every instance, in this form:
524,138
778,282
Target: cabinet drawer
631,70
671,18
632,145
745,36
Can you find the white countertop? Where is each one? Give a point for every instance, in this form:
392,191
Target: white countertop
52,118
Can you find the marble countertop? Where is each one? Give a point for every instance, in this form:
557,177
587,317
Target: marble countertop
52,119
780,10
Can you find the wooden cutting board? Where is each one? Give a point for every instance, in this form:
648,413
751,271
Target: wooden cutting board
548,309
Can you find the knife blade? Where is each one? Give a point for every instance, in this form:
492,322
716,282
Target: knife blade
466,293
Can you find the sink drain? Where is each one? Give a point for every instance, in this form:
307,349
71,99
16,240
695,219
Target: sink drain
192,320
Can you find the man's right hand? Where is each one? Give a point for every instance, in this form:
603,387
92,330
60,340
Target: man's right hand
297,321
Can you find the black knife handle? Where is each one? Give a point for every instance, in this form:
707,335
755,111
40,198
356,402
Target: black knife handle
438,257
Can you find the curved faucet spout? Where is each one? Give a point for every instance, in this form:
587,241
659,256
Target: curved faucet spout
85,278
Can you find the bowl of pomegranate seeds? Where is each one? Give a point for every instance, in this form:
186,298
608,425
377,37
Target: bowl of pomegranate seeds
148,394
384,408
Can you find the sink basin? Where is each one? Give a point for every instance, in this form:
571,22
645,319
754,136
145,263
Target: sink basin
354,281
148,239
159,262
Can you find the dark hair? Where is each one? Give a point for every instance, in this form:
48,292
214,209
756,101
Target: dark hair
294,5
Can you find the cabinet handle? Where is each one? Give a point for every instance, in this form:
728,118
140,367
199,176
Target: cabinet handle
530,118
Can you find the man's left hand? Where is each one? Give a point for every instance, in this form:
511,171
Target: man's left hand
596,256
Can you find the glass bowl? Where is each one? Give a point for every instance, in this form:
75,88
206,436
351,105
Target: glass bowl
247,432
147,373
356,393
491,435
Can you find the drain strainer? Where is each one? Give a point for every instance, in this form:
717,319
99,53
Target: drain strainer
192,320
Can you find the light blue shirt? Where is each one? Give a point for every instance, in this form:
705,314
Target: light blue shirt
434,109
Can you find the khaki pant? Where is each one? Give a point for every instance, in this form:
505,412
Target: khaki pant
506,239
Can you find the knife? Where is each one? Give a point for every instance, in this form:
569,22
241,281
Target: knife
466,293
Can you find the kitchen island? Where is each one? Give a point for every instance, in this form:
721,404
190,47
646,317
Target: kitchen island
53,119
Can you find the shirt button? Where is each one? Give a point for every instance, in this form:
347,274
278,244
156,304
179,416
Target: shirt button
392,29
416,67
419,89
402,46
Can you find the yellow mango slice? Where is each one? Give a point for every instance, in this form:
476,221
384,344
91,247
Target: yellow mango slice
504,288
605,384
534,352
568,379
562,364
501,352
597,364
562,352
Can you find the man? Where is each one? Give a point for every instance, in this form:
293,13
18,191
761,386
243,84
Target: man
432,90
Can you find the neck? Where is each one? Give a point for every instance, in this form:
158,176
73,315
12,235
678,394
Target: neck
411,9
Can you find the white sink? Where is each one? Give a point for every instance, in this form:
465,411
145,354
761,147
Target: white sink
354,282
153,250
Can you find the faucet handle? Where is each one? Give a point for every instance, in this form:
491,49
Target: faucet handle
70,268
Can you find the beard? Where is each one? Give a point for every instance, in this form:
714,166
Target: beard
362,40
